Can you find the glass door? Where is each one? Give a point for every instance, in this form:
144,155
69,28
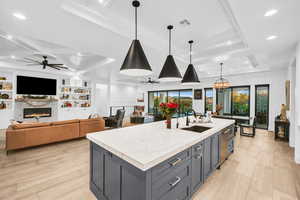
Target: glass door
262,106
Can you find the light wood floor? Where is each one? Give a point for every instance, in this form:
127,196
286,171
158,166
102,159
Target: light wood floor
260,169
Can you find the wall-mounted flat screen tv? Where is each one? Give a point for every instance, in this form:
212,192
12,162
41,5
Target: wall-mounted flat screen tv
36,86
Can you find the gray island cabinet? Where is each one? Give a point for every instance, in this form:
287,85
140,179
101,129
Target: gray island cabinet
115,177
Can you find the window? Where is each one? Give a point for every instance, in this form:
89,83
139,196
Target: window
208,101
234,101
183,97
185,100
240,101
262,106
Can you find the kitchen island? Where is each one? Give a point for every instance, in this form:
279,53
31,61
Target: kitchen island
151,162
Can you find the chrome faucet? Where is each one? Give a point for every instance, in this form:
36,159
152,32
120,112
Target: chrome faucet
187,116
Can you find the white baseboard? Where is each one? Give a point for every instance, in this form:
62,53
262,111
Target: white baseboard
297,160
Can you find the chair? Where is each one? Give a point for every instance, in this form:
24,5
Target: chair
117,120
252,129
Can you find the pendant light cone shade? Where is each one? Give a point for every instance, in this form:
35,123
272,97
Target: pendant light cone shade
136,63
190,77
170,71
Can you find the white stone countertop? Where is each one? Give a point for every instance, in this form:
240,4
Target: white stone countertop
147,145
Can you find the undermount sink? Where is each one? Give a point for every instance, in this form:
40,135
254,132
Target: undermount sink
198,129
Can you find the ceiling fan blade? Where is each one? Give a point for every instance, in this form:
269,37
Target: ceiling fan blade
54,67
32,64
55,64
30,59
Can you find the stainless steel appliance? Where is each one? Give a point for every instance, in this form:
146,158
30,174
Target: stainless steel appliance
226,138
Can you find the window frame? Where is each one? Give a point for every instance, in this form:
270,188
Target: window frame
158,91
205,89
231,101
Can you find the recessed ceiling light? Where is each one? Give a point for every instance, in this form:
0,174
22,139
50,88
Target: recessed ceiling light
229,42
19,16
271,12
13,57
79,54
9,37
272,37
104,2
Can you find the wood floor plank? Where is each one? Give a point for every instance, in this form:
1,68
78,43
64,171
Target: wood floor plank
259,169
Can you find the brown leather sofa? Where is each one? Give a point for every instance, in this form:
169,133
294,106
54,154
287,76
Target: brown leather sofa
20,136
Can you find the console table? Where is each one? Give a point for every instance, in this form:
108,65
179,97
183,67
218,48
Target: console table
285,125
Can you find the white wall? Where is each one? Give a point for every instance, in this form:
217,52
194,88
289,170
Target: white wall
276,79
115,94
297,107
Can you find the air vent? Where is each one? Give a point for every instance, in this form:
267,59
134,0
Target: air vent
185,22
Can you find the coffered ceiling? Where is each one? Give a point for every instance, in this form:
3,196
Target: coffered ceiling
93,36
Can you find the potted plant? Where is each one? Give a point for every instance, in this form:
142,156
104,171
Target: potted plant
168,110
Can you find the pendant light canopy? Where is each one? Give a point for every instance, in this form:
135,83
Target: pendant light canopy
136,63
190,77
221,83
170,70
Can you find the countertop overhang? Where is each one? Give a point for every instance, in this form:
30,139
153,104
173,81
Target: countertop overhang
144,146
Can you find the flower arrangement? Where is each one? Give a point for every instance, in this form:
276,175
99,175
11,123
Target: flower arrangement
168,109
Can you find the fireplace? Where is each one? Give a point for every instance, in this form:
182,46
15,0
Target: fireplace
36,112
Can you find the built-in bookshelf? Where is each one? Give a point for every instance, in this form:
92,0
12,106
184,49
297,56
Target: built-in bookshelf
6,91
75,94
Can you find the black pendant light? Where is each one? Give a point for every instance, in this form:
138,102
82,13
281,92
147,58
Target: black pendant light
136,63
190,77
170,70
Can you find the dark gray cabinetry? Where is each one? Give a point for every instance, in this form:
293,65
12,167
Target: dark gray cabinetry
207,169
197,166
176,178
215,151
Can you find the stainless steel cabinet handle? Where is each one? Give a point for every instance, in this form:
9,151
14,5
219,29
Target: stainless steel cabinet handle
176,162
198,148
178,179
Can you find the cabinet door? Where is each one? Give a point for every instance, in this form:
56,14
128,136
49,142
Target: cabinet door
215,151
207,158
112,177
97,168
197,171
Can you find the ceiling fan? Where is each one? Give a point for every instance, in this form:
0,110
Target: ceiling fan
150,81
44,63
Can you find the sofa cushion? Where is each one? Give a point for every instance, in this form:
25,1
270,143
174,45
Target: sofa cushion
89,120
30,125
65,122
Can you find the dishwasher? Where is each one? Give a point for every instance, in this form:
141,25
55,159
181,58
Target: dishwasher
227,147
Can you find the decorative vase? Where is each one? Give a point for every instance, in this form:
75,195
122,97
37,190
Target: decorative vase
168,122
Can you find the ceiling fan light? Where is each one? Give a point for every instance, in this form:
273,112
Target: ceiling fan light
170,71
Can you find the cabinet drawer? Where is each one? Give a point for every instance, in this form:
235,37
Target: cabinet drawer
171,164
179,193
170,185
197,149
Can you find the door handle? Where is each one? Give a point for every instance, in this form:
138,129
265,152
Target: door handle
198,156
176,162
173,184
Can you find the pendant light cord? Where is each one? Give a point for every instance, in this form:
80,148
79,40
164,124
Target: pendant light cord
190,53
136,23
169,41
221,75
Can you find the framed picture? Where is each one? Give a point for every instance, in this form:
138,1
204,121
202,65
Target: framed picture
198,94
288,94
